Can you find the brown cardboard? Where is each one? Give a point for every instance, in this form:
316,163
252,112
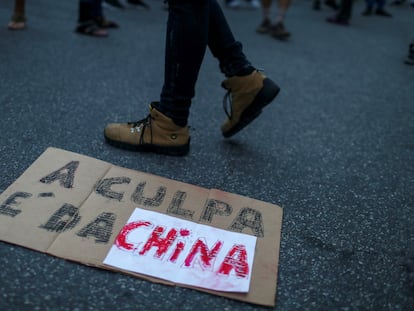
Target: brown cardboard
73,206
257,218
36,199
119,207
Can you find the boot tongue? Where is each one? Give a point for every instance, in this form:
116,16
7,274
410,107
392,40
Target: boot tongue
152,105
224,84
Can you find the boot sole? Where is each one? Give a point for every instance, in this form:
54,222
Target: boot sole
265,96
181,150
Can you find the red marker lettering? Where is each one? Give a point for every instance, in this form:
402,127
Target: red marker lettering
206,256
121,239
180,245
155,240
184,232
236,259
178,249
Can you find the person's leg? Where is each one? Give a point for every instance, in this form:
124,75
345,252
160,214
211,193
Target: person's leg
344,14
279,31
223,45
19,7
410,57
191,26
316,5
380,9
380,4
184,55
90,18
332,4
185,47
232,4
139,3
89,10
18,20
99,17
93,11
253,4
248,91
165,129
97,10
369,5
115,3
264,26
282,7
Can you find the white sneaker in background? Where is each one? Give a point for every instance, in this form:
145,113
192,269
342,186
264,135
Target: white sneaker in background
233,4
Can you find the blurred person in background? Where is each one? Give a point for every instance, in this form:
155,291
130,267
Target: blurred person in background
410,58
380,8
344,14
237,4
399,2
18,19
277,28
317,4
121,4
91,20
138,3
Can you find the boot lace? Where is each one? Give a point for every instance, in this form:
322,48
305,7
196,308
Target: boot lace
227,99
227,104
140,126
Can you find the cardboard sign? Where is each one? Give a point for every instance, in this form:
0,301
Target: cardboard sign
74,207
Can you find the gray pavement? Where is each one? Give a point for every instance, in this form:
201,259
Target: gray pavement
335,150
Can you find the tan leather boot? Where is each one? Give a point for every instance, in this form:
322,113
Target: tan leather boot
156,133
246,96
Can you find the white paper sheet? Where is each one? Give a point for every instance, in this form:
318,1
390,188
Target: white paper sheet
184,252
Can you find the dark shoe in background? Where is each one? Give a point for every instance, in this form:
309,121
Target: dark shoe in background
233,4
382,12
338,21
252,4
316,5
102,22
332,4
410,58
279,31
368,11
264,27
140,3
91,28
115,3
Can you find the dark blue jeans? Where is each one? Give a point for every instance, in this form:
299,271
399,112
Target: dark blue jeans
89,10
192,26
345,9
380,3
